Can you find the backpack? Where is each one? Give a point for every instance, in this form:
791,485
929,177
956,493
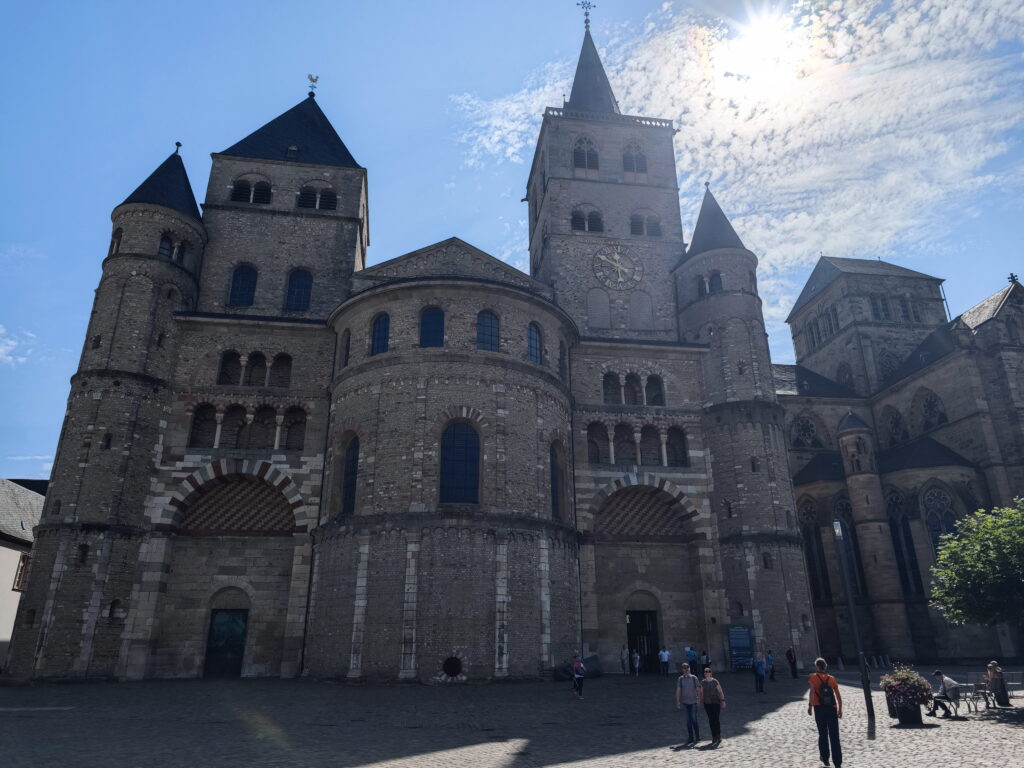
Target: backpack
826,696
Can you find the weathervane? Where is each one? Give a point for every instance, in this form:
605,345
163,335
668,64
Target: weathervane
312,82
586,5
1013,278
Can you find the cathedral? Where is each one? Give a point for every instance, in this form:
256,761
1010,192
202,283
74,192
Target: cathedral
279,461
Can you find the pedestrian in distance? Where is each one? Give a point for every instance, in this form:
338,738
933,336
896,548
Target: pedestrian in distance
624,660
636,663
791,658
705,660
691,657
687,696
759,668
578,671
663,656
825,703
712,698
769,659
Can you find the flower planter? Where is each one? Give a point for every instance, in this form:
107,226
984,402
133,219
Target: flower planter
909,714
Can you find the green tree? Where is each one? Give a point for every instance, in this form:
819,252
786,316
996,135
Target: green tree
978,577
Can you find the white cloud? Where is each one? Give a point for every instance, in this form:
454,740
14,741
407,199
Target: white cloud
12,349
863,128
28,458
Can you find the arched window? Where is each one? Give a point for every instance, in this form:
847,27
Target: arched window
460,464
83,553
650,446
346,348
897,431
487,331
625,446
558,504
715,282
379,334
300,286
106,441
633,161
702,286
594,222
261,193
655,391
755,465
256,370
887,365
281,371
598,309
534,348
230,369
243,286
938,515
114,612
844,514
233,429
578,221
632,391
179,252
166,247
350,474
904,309
241,192
584,156
317,198
597,443
115,242
767,561
611,390
636,224
262,429
294,429
204,427
432,327
804,433
903,545
929,411
814,552
653,226
676,448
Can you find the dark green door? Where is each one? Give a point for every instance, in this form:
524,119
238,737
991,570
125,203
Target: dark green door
225,646
642,634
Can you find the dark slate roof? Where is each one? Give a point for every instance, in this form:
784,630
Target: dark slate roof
304,126
826,466
851,421
713,229
936,345
922,452
591,91
988,309
36,486
20,510
829,268
797,380
167,186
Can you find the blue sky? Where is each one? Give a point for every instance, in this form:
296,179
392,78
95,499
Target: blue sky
851,128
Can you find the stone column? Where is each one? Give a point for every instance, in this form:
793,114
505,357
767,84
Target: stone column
412,556
663,434
220,423
636,441
610,430
244,360
355,664
277,430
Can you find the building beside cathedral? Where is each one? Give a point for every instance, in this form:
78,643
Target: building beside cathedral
277,460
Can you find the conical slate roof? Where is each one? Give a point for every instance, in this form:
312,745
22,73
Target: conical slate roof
851,421
305,127
713,229
167,186
591,91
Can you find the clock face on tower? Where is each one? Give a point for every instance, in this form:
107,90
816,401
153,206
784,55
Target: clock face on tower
618,267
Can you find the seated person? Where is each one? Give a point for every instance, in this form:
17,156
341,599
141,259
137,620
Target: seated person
946,685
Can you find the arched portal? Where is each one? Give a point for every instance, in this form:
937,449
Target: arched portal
642,554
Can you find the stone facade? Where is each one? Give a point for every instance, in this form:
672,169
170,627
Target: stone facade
279,461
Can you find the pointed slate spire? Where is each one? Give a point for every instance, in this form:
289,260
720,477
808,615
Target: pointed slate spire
168,186
851,421
713,229
591,91
303,134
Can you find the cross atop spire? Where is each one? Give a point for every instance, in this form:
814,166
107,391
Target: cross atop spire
586,5
1012,278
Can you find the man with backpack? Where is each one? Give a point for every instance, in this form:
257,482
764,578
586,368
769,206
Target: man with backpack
687,697
825,703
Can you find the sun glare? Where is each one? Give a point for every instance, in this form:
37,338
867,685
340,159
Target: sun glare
764,54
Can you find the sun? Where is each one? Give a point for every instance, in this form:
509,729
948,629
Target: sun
764,53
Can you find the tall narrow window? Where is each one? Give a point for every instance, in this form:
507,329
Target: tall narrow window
300,286
904,309
261,431
204,427
115,242
432,327
636,224
256,370
851,544
903,545
650,446
653,226
351,473
632,391
230,369
584,155
243,286
578,221
241,191
534,349
655,391
261,193
166,247
625,445
715,283
610,389
460,464
597,443
294,427
556,482
938,518
814,553
281,371
379,335
346,348
594,222
633,162
487,328
676,448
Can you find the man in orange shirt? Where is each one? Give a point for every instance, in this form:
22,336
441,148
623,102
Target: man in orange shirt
827,706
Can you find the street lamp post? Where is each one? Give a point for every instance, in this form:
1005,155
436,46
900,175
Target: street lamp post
848,586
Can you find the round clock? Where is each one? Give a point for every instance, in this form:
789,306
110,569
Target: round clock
617,267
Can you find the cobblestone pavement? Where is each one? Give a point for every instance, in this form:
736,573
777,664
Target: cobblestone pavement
621,722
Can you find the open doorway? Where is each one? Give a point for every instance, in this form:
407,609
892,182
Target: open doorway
225,645
642,635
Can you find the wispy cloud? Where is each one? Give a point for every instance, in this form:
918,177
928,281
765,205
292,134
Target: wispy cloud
14,349
856,128
29,458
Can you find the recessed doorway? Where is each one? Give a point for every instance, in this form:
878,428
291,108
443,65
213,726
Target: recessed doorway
225,645
642,635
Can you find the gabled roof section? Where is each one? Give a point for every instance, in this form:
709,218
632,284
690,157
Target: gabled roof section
591,91
851,421
936,345
713,229
305,127
825,467
451,258
168,186
922,452
990,307
829,268
20,510
797,380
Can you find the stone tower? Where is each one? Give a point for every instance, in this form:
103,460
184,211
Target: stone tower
718,304
93,522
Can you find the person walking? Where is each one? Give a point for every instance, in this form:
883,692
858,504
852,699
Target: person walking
826,704
791,658
624,660
687,694
759,668
704,659
636,663
712,698
769,659
578,671
691,657
663,656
